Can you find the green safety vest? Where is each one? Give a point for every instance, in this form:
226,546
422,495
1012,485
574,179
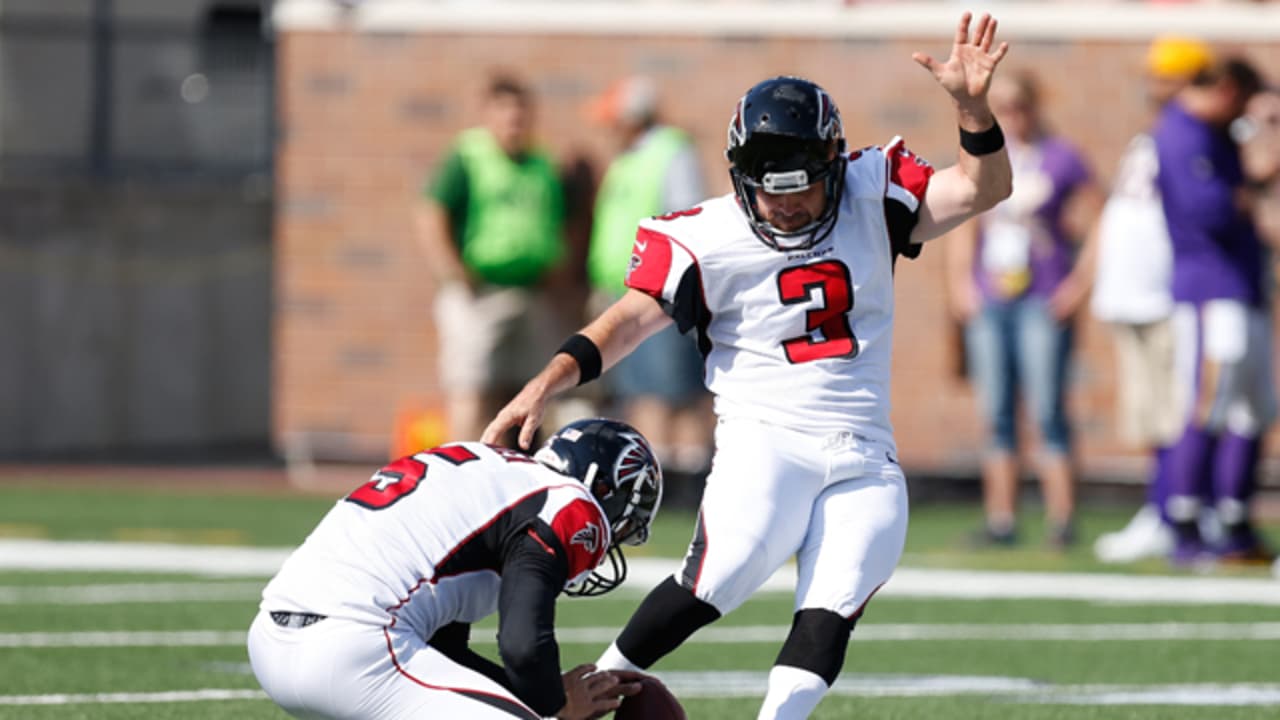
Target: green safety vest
515,212
630,192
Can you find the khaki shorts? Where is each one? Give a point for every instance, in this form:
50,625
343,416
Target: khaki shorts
1151,405
493,338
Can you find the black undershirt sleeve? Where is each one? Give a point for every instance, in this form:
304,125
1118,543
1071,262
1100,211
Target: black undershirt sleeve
687,310
534,572
452,640
901,222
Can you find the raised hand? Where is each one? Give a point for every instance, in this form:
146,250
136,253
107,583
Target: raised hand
966,75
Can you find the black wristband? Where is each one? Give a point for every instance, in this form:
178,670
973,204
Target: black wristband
982,143
586,354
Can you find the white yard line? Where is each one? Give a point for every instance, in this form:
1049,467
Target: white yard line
1150,589
140,557
1018,690
730,634
647,572
160,638
112,593
751,684
870,632
155,697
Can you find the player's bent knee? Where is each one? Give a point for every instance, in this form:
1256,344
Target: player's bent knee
817,643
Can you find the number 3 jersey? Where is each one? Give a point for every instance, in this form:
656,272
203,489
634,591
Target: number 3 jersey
422,542
798,338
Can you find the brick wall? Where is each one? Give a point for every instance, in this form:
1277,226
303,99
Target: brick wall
366,115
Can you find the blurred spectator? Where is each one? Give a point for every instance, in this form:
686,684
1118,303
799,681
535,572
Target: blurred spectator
659,385
1221,324
1258,132
1014,283
1134,268
492,227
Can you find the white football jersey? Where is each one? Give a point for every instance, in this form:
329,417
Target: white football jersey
419,544
799,338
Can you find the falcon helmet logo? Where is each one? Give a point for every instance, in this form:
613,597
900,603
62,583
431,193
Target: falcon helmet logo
588,537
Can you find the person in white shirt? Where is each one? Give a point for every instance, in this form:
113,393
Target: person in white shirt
1133,264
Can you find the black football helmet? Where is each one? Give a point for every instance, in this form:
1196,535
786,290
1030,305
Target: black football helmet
784,136
616,463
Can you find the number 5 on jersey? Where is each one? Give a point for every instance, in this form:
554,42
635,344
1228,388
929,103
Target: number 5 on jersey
827,330
402,477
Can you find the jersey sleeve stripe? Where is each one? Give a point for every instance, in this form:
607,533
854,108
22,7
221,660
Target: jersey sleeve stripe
908,174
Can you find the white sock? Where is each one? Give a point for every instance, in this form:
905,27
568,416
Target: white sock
613,659
793,694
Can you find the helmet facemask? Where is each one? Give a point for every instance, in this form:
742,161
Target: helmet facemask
780,165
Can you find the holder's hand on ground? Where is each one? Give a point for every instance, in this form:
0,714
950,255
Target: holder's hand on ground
966,75
590,694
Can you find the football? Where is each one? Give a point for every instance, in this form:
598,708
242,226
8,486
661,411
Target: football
653,702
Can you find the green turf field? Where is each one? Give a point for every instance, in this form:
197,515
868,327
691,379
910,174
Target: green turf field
111,645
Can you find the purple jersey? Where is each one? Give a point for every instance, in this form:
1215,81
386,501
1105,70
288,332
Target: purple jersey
1023,247
1216,250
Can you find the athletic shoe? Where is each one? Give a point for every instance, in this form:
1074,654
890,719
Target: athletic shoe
987,537
1061,536
1243,546
1146,536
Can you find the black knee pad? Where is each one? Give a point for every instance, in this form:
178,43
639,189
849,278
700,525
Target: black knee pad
817,643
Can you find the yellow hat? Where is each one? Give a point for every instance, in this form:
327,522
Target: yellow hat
1178,57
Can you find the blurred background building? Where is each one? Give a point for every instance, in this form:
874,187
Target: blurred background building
136,147
206,241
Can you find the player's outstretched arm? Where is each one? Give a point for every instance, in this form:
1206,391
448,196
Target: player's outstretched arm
982,176
617,332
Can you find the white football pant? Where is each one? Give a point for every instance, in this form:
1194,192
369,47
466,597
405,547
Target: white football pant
837,503
338,668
